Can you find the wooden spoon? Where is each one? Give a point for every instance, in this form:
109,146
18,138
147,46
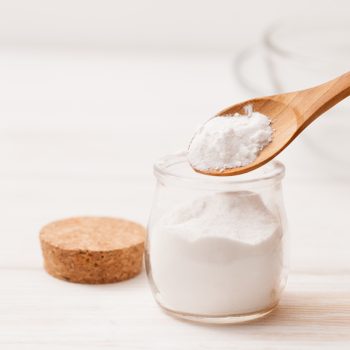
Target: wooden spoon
290,114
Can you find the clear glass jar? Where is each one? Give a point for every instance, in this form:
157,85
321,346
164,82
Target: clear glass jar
216,247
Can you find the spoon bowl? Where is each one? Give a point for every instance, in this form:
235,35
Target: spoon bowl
289,114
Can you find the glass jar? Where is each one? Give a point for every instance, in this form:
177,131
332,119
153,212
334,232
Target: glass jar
216,247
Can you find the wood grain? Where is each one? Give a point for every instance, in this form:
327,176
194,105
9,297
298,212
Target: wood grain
314,312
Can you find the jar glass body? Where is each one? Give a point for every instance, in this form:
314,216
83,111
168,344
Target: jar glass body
217,246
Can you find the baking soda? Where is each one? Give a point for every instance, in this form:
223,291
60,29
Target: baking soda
230,141
218,255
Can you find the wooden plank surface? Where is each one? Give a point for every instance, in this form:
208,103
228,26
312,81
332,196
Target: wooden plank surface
73,149
39,311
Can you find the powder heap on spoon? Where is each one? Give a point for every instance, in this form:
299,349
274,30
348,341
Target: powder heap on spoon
227,142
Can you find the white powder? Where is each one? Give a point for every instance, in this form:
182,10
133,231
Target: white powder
219,255
230,142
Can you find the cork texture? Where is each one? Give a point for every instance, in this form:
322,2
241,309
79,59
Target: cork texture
93,250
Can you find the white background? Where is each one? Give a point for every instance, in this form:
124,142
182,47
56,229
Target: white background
91,94
154,24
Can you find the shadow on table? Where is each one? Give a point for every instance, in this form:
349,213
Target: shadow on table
303,316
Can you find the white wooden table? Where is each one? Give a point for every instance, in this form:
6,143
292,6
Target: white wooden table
79,133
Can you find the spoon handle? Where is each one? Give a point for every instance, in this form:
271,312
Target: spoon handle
313,102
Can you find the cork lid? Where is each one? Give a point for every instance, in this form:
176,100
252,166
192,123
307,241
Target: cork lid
93,233
93,249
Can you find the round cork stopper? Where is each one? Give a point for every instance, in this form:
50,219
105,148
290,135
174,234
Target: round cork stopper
93,249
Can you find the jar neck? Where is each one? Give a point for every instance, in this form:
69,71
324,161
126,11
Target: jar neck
174,170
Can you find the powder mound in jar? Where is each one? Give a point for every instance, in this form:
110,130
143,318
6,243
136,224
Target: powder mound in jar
230,141
240,216
219,255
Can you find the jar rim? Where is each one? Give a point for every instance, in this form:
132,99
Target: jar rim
168,166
